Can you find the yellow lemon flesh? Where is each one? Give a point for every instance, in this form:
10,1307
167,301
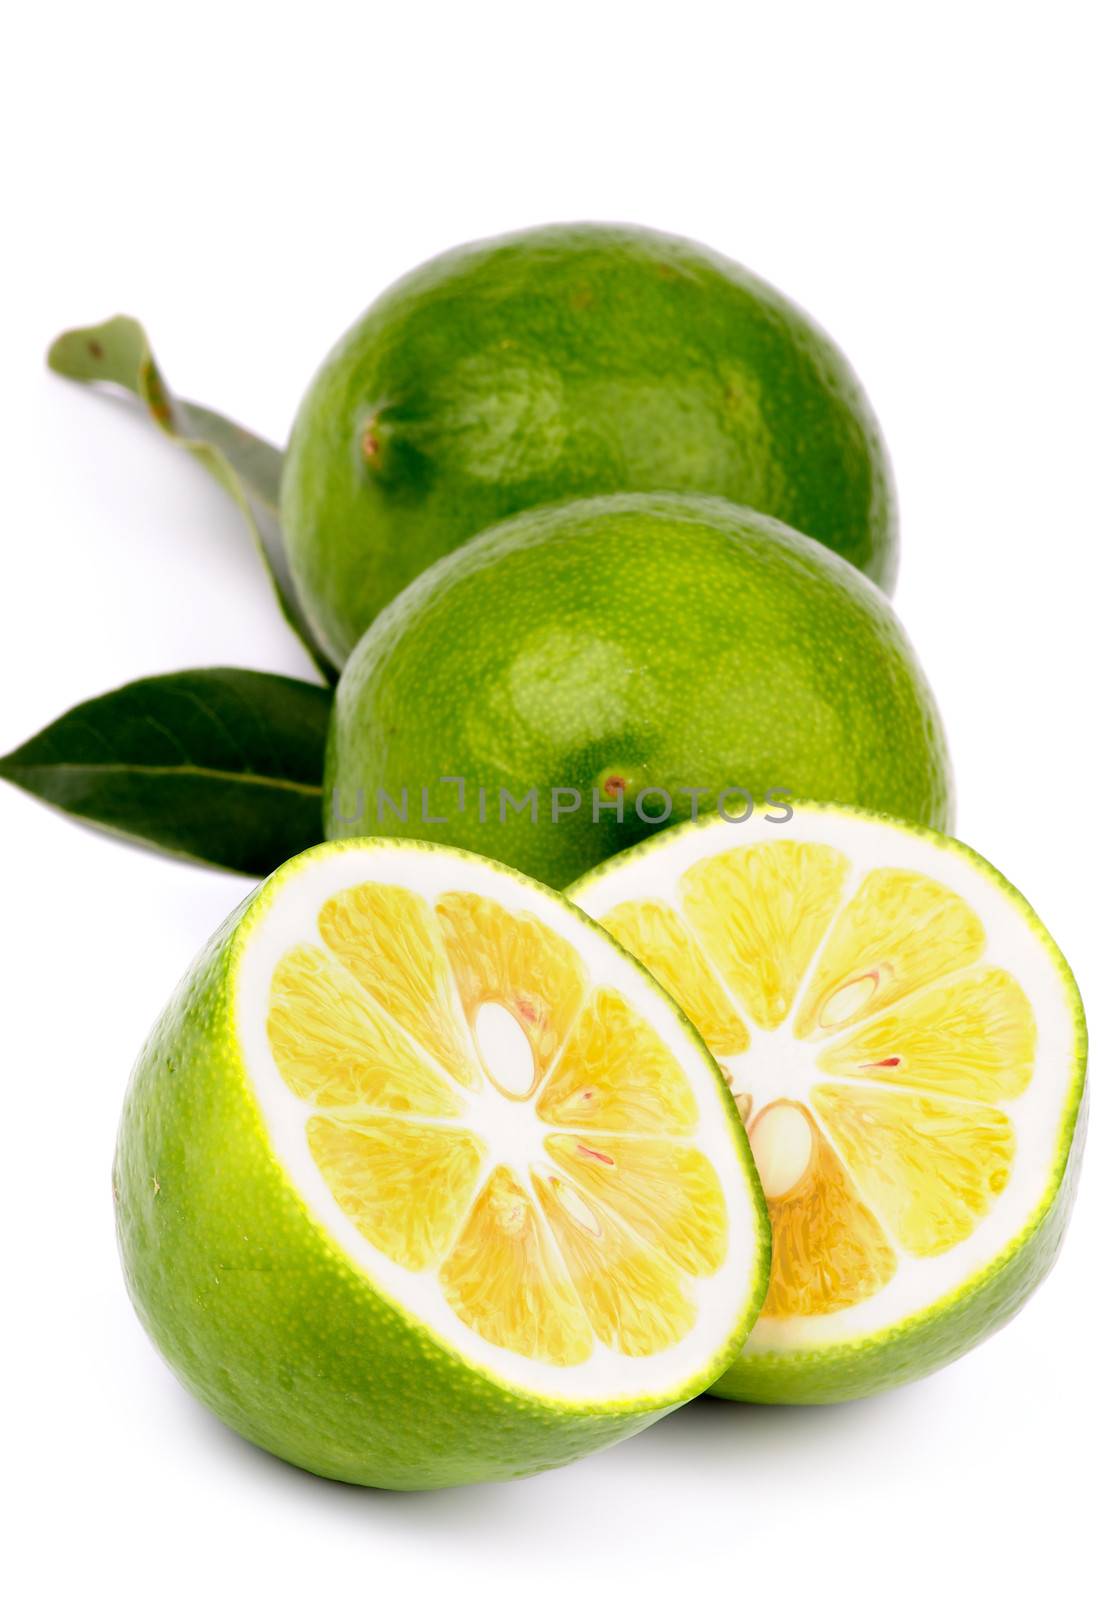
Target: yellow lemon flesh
906,1048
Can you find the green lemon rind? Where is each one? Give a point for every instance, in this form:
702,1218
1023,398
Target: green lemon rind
558,363
939,1333
679,641
266,1319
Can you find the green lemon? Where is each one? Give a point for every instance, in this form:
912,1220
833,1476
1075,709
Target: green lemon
422,1180
907,1049
559,363
578,676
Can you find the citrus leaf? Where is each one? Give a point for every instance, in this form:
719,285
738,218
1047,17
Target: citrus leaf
117,352
218,765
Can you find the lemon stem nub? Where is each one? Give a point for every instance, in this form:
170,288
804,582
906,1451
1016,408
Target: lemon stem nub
374,438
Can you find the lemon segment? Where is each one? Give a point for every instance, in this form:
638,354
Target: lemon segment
376,1166
973,1036
336,1047
516,962
900,931
504,1279
667,1192
661,940
615,1074
760,913
632,1296
930,1169
388,938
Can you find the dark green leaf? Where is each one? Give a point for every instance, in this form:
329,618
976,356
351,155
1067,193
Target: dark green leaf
217,765
117,352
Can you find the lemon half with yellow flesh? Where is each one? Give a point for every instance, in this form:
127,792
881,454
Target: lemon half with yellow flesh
422,1180
907,1049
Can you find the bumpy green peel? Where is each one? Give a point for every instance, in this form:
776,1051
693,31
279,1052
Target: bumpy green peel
651,641
558,363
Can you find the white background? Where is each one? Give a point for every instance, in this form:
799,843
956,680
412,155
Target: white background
935,185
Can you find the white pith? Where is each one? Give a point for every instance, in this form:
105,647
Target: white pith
512,1132
778,1066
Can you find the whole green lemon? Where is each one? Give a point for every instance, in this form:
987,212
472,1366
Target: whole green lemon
582,675
559,363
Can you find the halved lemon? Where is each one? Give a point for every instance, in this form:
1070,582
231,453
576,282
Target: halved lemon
907,1049
421,1180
